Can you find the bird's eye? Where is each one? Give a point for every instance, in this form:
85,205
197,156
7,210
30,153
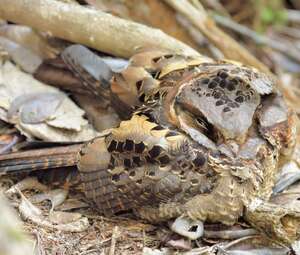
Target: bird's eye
202,123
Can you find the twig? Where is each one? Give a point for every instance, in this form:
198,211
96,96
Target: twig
229,47
90,27
229,234
115,236
285,48
198,37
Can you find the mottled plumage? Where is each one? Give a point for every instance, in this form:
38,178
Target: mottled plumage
205,142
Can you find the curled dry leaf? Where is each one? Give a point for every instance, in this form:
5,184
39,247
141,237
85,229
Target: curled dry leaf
30,39
22,56
30,212
180,244
56,196
35,107
72,204
262,251
58,217
254,245
26,184
229,234
66,124
188,228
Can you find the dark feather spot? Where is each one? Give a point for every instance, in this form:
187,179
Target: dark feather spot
120,147
205,81
212,85
217,95
230,86
150,160
210,173
223,83
233,105
155,151
194,181
115,177
149,115
142,97
223,75
184,165
128,145
199,161
182,172
239,99
127,162
157,95
139,147
164,160
155,60
112,146
151,173
226,109
217,79
219,102
168,56
132,173
234,81
136,160
157,128
112,162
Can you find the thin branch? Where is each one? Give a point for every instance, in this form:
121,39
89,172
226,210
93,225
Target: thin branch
229,47
93,28
229,234
282,47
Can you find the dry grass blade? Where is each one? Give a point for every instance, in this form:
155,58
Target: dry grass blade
115,235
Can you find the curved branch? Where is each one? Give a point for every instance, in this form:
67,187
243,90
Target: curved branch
90,27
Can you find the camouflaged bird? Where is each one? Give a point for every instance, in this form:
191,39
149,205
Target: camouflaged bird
204,142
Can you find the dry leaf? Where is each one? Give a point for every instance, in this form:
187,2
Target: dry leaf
30,212
71,204
28,38
35,107
58,217
56,196
22,56
26,184
180,244
66,123
188,228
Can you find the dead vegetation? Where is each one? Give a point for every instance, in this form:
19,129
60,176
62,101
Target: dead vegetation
58,111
